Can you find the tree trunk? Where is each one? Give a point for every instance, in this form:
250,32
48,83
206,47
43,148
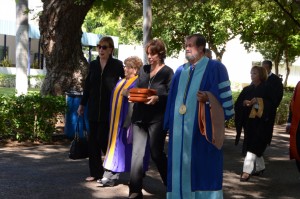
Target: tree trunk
22,40
287,69
277,60
219,54
60,28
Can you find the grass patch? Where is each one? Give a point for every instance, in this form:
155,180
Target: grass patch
12,91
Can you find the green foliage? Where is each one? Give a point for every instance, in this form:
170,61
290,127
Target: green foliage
230,123
173,20
6,62
4,132
38,77
211,19
219,21
29,117
12,91
35,64
8,80
105,20
256,27
283,108
6,76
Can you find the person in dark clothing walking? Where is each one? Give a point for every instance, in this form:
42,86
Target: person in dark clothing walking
104,73
255,103
275,84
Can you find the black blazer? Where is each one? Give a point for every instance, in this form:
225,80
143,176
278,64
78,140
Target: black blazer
98,88
275,84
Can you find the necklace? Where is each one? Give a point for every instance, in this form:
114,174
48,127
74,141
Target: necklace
182,108
152,78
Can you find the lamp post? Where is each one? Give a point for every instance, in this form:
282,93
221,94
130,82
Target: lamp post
147,24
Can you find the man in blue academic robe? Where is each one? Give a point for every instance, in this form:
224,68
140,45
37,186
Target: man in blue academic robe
195,163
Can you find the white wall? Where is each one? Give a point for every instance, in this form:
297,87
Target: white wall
12,71
238,61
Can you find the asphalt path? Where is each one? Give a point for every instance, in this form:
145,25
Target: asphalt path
42,171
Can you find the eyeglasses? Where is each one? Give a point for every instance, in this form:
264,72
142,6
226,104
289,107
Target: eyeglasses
103,47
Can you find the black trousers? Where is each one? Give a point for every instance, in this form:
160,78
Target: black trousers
270,126
298,165
153,134
98,140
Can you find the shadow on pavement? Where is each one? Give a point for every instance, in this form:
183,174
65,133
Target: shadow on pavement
45,171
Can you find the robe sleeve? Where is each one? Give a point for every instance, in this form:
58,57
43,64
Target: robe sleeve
220,87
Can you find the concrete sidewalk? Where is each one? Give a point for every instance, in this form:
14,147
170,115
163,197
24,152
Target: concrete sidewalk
45,171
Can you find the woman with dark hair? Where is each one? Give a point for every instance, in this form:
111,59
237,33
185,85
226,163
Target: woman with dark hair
254,104
147,118
104,73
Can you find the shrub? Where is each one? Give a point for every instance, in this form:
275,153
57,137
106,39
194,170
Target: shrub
6,62
230,123
30,117
8,80
283,108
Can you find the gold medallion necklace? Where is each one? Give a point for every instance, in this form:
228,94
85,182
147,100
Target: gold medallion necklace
182,108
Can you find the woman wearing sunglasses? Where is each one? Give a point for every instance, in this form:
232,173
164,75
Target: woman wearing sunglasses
104,73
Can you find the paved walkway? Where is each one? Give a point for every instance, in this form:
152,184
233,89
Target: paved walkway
44,171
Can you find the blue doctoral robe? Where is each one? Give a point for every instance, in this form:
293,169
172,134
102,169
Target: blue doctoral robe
195,166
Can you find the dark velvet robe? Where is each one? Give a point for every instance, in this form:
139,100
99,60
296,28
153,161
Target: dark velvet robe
255,129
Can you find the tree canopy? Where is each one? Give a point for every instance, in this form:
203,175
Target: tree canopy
266,27
271,27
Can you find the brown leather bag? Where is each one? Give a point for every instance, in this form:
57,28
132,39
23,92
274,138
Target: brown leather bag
140,94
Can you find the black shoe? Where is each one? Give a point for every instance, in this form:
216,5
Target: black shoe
258,173
106,182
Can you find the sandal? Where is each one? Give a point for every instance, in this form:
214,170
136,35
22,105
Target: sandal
245,177
90,179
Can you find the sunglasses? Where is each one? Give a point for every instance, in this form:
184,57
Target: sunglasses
103,47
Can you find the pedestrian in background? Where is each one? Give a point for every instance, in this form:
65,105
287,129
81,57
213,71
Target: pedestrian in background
275,85
255,102
104,73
